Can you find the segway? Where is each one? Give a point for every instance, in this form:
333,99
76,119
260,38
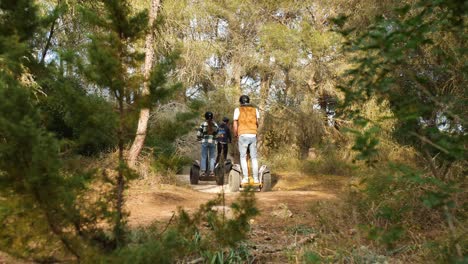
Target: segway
221,169
235,178
195,172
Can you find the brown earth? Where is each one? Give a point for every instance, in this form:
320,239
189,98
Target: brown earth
286,221
286,217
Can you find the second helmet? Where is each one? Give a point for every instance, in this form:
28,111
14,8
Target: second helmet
208,115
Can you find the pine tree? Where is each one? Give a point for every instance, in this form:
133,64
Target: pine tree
39,200
113,61
142,128
415,61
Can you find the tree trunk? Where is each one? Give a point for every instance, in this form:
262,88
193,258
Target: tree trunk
49,38
264,91
119,225
144,112
237,78
287,84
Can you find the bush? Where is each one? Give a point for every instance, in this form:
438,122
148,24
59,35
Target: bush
329,162
206,234
395,200
86,122
170,163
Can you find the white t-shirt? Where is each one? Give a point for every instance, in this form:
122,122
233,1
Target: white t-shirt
236,117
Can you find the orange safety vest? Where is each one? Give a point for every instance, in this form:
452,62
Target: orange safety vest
247,120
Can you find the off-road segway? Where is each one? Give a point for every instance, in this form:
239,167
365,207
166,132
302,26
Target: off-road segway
235,178
221,169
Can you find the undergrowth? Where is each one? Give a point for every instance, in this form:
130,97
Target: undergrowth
207,235
329,161
384,218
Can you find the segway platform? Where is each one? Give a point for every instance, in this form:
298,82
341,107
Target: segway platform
235,180
219,173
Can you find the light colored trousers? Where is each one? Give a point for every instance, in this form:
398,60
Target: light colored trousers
251,144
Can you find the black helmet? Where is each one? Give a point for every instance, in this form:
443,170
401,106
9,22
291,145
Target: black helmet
208,115
244,99
225,119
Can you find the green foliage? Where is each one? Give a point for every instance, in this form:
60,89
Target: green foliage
112,64
301,230
398,198
280,41
170,125
52,208
312,258
207,233
317,41
412,60
429,116
166,162
161,87
329,162
37,192
155,248
366,144
42,201
293,129
85,120
19,21
240,254
109,52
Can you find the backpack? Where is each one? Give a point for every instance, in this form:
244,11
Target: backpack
222,133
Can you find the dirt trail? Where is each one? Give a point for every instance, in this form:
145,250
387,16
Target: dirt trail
272,234
148,203
287,216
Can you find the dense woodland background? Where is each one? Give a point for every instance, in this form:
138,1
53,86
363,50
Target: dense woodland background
371,90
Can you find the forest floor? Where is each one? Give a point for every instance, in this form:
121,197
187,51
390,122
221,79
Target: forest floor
287,219
287,225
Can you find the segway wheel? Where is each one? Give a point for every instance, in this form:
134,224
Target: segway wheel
219,175
266,182
194,174
227,166
234,181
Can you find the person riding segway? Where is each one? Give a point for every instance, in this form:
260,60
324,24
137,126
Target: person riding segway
224,138
245,129
223,165
206,134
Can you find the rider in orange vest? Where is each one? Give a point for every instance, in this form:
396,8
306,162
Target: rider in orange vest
245,128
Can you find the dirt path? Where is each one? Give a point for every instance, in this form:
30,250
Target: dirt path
146,203
286,214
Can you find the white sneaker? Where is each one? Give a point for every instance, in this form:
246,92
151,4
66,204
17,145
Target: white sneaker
256,181
245,180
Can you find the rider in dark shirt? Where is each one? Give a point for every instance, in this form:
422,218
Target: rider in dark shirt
224,137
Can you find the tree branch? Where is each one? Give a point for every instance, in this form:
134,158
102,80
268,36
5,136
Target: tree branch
51,34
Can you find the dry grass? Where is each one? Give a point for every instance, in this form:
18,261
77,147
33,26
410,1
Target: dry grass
341,225
7,259
289,181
